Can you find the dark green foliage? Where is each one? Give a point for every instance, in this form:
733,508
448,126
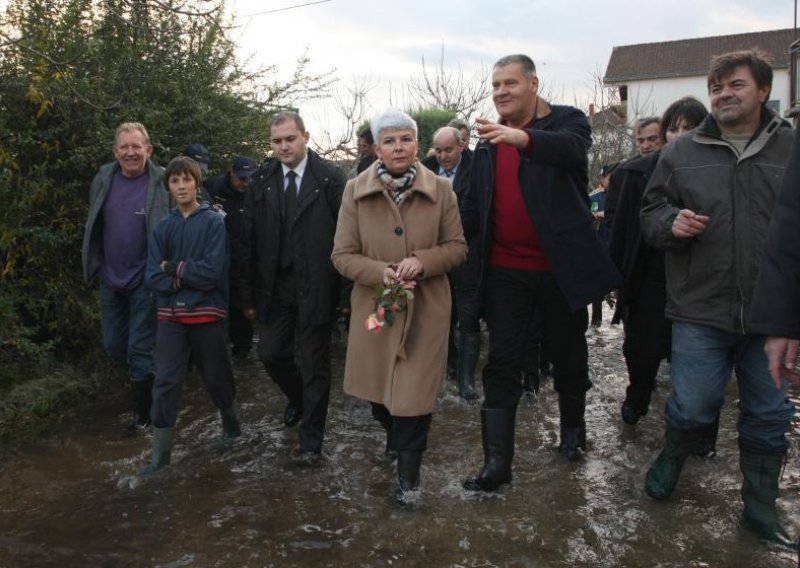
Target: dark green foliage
428,121
70,72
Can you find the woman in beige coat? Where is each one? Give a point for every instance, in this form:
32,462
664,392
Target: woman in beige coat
399,223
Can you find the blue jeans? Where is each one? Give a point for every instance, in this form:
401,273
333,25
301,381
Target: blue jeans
703,359
128,321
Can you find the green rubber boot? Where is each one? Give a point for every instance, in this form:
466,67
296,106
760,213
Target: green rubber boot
230,425
162,451
761,471
664,473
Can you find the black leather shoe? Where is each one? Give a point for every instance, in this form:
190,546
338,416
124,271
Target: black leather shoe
292,415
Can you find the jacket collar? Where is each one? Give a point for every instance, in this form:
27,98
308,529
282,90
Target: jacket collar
368,183
709,133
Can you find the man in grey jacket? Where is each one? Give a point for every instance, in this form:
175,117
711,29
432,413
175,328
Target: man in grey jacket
126,201
708,205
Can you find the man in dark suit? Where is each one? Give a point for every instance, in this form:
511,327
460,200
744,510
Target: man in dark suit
290,214
450,162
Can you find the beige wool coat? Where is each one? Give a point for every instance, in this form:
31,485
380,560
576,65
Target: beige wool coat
403,366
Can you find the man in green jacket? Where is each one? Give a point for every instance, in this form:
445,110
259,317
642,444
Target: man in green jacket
708,205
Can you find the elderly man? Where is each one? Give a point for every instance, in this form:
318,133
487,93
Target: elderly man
126,201
290,214
452,163
528,204
464,129
708,205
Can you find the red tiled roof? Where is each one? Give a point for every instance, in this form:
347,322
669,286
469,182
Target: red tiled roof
690,57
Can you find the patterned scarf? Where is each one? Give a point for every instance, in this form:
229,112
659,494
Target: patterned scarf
397,185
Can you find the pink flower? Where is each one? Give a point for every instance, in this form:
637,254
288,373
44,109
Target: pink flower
373,324
381,313
395,308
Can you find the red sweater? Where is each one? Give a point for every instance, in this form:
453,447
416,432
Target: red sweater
515,243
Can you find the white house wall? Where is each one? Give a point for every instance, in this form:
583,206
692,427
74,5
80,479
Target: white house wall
652,97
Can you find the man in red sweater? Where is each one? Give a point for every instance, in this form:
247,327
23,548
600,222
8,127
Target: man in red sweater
528,204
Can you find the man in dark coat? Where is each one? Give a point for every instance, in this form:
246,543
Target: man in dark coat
452,163
775,311
227,192
528,203
290,213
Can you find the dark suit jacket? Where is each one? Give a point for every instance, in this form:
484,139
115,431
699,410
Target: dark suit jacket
313,228
461,181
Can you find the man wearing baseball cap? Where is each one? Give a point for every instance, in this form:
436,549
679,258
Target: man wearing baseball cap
227,193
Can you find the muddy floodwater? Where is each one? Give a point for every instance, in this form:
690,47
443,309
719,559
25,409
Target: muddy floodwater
71,499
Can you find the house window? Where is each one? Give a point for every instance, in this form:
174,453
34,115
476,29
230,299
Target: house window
774,105
623,93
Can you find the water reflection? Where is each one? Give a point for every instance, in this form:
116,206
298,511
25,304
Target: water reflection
70,500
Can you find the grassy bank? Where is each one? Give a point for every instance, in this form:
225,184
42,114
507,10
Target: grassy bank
38,396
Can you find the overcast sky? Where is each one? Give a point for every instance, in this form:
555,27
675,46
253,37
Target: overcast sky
569,40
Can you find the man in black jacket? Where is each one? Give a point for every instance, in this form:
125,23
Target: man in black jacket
528,203
451,162
290,213
227,192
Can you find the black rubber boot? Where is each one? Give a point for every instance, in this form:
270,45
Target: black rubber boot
497,431
231,429
161,452
663,475
572,407
452,357
142,400
761,472
530,369
408,464
469,351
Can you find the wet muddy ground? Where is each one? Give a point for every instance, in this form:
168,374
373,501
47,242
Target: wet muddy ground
71,500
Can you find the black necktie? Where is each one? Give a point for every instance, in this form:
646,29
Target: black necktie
290,194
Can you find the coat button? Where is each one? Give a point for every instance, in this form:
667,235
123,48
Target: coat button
398,231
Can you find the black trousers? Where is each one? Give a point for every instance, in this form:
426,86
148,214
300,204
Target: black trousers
298,358
512,298
647,339
404,433
240,330
207,346
466,305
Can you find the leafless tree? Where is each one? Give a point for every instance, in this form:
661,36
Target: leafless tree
350,105
449,89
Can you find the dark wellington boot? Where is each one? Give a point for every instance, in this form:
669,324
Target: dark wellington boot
408,464
452,357
468,353
761,472
161,452
573,442
663,475
572,407
497,430
231,429
707,443
142,400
